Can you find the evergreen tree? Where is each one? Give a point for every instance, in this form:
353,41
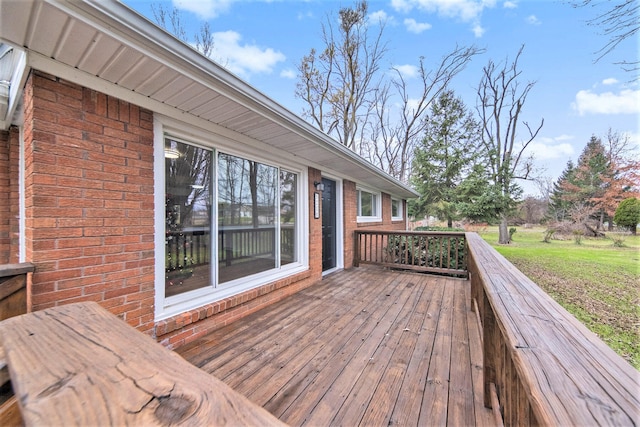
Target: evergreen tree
444,157
480,200
602,178
560,207
628,214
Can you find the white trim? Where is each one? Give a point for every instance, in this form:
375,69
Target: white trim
378,205
400,209
167,307
158,216
22,235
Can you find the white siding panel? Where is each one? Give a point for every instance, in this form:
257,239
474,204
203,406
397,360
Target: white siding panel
172,88
50,21
139,73
121,63
75,43
14,20
98,53
158,79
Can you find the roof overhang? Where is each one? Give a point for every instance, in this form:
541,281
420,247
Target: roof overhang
106,46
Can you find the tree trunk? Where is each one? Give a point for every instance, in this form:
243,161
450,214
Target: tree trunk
450,222
503,229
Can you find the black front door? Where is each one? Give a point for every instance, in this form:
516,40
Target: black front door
328,224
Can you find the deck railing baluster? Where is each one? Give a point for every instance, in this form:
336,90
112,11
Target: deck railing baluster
420,251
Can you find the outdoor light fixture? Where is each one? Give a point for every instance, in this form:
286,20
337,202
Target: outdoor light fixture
319,185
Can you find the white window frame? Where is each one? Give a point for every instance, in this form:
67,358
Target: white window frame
400,215
377,216
166,307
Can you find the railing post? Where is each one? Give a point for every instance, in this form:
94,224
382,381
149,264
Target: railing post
490,351
356,249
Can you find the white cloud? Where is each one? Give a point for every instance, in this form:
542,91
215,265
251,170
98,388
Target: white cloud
413,104
466,10
407,71
205,9
510,5
609,81
244,59
288,73
625,102
533,20
548,148
304,15
416,27
379,16
478,31
564,137
469,11
401,5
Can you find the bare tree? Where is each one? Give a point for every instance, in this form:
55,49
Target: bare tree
171,20
394,134
337,83
501,99
619,22
348,96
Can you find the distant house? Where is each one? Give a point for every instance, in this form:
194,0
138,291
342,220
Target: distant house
137,173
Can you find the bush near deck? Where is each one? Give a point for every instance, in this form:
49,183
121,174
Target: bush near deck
596,280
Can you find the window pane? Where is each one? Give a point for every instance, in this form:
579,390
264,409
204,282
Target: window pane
394,208
288,208
187,217
247,192
366,204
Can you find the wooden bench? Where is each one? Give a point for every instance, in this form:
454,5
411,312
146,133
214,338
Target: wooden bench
80,365
541,365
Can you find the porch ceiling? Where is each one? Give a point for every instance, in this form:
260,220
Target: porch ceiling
108,41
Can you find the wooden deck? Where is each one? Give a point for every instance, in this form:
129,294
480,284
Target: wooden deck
365,346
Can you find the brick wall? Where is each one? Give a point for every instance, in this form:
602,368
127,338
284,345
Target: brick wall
89,199
9,195
351,224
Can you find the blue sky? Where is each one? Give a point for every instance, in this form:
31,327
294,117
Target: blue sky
262,41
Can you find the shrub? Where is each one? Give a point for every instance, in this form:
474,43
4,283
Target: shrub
548,235
618,240
427,251
628,214
512,231
577,237
435,228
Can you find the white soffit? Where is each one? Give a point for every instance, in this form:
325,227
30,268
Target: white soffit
106,39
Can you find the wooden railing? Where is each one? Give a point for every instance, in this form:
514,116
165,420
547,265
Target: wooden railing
440,252
13,289
541,365
190,248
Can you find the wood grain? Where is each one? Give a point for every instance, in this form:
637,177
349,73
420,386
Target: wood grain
547,367
79,365
366,346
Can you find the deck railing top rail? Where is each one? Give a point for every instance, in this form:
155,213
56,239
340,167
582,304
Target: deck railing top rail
543,365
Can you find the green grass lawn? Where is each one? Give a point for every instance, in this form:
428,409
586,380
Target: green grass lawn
596,281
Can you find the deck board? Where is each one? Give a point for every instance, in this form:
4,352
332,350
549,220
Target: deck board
365,346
